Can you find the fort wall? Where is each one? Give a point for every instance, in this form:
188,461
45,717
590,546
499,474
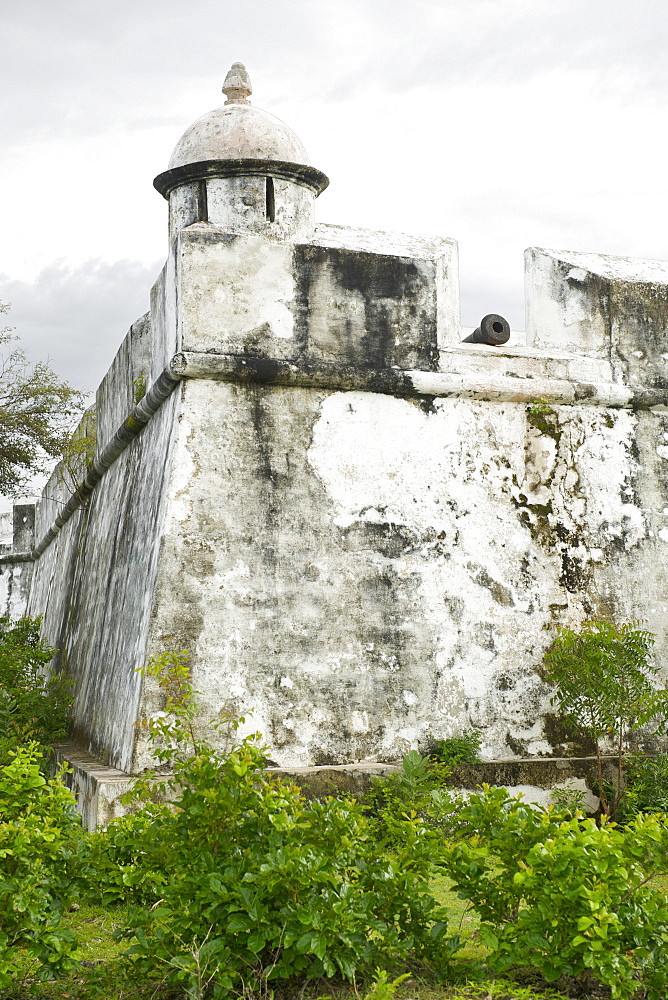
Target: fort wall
364,531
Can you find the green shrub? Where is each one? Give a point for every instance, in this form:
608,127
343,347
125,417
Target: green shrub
646,785
564,895
118,870
256,883
34,704
260,884
570,802
395,797
382,987
42,849
463,749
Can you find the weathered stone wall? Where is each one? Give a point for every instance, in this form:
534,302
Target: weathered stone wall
362,571
347,295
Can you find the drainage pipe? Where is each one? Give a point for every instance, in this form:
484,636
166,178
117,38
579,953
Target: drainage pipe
133,424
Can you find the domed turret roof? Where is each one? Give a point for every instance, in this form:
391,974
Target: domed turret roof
238,131
239,140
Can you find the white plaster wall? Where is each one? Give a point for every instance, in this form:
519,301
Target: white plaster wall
236,292
295,210
360,572
239,204
546,796
6,573
441,252
15,582
566,308
573,299
6,529
235,202
329,298
183,208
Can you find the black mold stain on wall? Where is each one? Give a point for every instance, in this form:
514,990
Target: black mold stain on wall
398,302
640,331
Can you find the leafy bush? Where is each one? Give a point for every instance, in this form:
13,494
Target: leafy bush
570,802
647,785
463,749
395,797
564,895
34,705
259,883
41,852
256,883
118,870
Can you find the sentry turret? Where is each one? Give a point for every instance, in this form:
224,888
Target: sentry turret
242,169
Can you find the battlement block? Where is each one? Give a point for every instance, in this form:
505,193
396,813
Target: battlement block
344,295
603,307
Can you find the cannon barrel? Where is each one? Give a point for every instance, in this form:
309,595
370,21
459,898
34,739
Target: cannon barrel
493,330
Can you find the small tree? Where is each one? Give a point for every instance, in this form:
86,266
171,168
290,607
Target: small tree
36,413
604,687
34,702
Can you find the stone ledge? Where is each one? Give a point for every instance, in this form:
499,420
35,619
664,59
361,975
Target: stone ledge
536,778
533,777
99,787
543,772
335,779
501,384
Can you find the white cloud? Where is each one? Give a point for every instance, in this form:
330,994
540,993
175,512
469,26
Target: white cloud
76,317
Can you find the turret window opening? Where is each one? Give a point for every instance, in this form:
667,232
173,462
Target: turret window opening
270,202
202,202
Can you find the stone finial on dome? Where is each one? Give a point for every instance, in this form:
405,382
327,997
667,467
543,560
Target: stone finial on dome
237,86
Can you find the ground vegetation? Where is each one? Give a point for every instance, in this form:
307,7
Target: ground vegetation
224,881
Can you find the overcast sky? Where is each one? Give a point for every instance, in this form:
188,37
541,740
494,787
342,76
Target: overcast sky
500,123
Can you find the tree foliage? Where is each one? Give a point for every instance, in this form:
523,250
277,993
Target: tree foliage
36,412
34,702
604,687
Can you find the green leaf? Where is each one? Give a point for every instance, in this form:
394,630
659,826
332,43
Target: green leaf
239,922
256,942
